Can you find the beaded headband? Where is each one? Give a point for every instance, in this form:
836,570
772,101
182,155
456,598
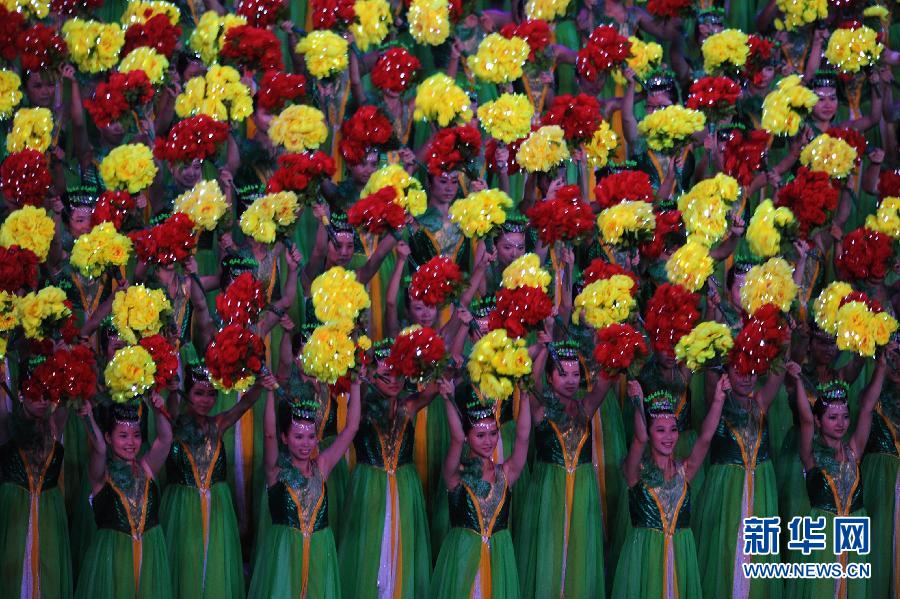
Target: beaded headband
711,16
473,407
237,263
82,196
127,413
515,223
824,78
564,351
382,349
660,404
483,306
339,224
835,391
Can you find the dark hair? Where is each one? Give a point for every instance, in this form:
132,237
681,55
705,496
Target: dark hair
288,412
110,414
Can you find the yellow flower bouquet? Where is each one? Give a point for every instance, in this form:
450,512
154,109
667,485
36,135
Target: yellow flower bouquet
830,155
526,271
480,212
373,20
886,218
497,363
29,228
862,331
429,21
826,306
208,37
154,64
706,345
130,373
705,208
139,312
129,167
507,118
40,312
103,247
219,94
543,150
785,108
298,128
671,127
270,216
329,353
32,128
771,282
93,45
605,302
141,11
410,194
204,203
725,51
604,143
645,56
690,266
440,100
627,224
546,10
767,229
10,93
324,52
28,8
851,50
338,297
798,13
499,59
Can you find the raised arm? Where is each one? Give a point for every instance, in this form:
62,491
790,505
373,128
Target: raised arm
804,411
596,395
271,317
868,399
632,464
391,318
331,456
370,268
96,445
159,450
516,461
708,429
203,318
454,451
270,439
227,419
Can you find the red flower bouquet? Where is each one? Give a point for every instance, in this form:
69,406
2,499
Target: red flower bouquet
604,50
377,213
157,33
113,207
625,185
812,197
437,282
262,13
744,156
234,357
70,8
852,137
759,342
303,174
859,296
252,48
668,9
714,96
25,179
889,184
41,48
12,24
242,302
452,149
579,116
195,138
277,89
332,14
564,217
520,310
865,254
417,354
164,357
395,70
617,347
122,94
64,376
18,269
760,53
599,269
367,128
169,242
668,225
670,315
490,156
535,32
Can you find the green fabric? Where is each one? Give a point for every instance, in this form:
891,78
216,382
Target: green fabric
792,498
221,573
82,523
880,476
279,572
108,571
457,566
642,565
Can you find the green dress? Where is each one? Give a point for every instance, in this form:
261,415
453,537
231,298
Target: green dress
834,489
560,545
34,535
298,556
659,558
127,556
740,483
477,558
198,517
385,545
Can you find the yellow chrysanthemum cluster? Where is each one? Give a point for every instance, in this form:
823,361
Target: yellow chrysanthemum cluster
705,207
29,8
141,11
429,21
325,53
850,50
28,228
825,308
499,59
526,271
602,144
727,49
766,225
627,223
130,373
496,363
546,10
798,13
298,128
329,353
876,11
154,64
830,155
480,212
785,108
338,297
39,311
410,194
887,218
139,312
861,330
706,343
507,118
373,18
93,45
10,93
32,128
543,150
101,248
604,302
204,203
439,99
645,56
771,282
208,37
8,319
268,215
690,266
671,127
129,167
219,94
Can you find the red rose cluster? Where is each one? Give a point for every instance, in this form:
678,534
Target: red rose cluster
617,347
889,184
242,302
759,341
113,207
18,269
41,49
865,254
668,224
367,128
579,116
520,310
535,32
332,14
453,148
233,354
564,217
744,156
599,269
625,185
811,196
277,89
715,96
436,282
252,48
417,354
301,173
12,24
115,98
395,70
66,375
25,178
859,296
759,55
604,50
69,8
171,241
164,357
668,9
490,156
377,213
670,315
157,33
262,13
194,138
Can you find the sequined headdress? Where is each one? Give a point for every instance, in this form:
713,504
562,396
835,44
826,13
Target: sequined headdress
473,408
483,306
832,392
711,16
660,404
824,78
382,349
82,196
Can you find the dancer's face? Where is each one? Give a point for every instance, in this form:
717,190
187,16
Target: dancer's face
421,313
39,408
510,246
827,106
386,381
340,249
663,433
80,221
125,440
301,439
483,438
835,421
202,397
566,379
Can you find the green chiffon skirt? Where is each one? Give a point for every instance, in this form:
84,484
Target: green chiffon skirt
792,497
108,570
457,569
881,482
548,566
216,572
717,527
363,529
644,563
50,543
279,569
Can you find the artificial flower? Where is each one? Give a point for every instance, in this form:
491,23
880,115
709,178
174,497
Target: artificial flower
543,150
437,282
617,347
251,48
865,255
395,70
624,185
25,178
705,208
707,343
298,128
277,88
93,45
826,306
429,21
862,330
234,357
499,59
219,93
578,116
195,138
671,314
766,228
29,228
886,218
208,37
154,64
40,312
546,10
811,197
605,302
564,217
129,167
417,353
338,297
497,363
10,93
526,271
784,109
269,216
771,282
759,341
852,49
410,194
831,155
480,212
130,373
452,149
204,203
171,241
520,310
725,50
102,248
690,266
31,128
627,223
507,118
329,353
604,50
139,312
602,144
440,100
324,52
671,127
798,13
